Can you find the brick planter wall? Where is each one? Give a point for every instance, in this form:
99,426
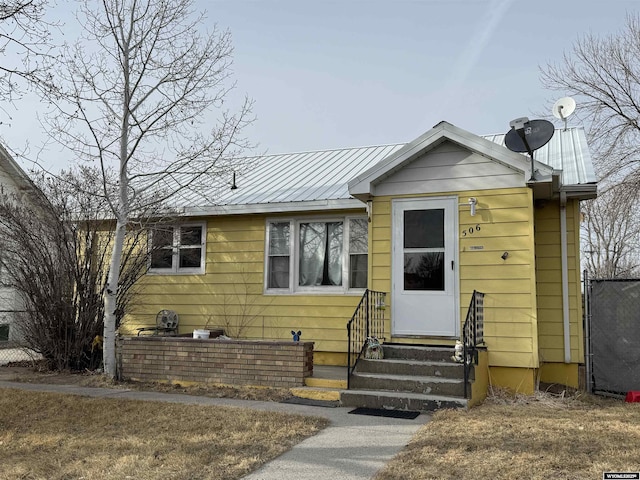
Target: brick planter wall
231,362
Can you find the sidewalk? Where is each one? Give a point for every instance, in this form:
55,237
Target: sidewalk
351,447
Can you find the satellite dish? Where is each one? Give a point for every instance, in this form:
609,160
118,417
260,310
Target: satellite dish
563,108
526,136
533,135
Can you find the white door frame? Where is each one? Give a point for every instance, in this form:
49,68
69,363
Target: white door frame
443,303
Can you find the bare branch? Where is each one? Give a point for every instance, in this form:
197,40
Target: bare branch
139,93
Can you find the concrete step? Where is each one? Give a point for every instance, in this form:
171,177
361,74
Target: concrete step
407,383
325,382
316,393
417,352
399,400
428,368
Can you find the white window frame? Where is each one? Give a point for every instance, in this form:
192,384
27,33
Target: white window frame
175,247
294,257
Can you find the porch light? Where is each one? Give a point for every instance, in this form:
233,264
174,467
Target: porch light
472,204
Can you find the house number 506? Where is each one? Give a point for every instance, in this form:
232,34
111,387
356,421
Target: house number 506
470,230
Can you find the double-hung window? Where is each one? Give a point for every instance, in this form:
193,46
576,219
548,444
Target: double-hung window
178,248
312,255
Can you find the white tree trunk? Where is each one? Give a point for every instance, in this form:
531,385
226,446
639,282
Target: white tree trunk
147,86
110,304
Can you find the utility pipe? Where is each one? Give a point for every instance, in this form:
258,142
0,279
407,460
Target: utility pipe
565,277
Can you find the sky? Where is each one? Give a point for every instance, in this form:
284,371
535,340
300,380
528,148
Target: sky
328,74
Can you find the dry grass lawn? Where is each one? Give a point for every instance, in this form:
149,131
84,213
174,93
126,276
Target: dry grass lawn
28,372
55,436
527,437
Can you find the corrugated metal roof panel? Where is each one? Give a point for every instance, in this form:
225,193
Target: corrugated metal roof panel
292,177
567,151
323,175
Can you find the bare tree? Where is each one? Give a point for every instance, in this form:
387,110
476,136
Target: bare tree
26,46
604,75
54,255
611,233
136,92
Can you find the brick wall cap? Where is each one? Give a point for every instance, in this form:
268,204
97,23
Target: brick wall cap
200,341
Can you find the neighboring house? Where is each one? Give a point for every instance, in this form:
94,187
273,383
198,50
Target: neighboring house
13,181
296,244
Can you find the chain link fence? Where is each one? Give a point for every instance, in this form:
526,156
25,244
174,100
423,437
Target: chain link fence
12,348
614,338
11,353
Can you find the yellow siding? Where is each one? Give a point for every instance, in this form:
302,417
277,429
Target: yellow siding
505,218
518,380
230,294
563,373
480,385
549,283
523,316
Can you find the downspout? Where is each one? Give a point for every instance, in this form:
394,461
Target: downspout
565,277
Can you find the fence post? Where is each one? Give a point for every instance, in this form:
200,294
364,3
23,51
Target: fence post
588,365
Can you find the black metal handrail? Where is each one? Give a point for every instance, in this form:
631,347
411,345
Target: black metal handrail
367,321
472,335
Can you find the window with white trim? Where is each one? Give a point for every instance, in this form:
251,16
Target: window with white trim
178,248
317,255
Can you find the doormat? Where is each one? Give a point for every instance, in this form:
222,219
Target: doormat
311,402
383,412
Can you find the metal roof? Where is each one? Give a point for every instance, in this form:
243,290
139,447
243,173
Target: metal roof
316,180
567,151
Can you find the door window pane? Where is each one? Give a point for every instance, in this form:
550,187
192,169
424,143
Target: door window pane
424,228
424,271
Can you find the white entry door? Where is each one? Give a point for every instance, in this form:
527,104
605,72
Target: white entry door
424,266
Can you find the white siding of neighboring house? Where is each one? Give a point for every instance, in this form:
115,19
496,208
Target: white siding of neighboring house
10,302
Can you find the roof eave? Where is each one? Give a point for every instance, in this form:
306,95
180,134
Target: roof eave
584,191
273,208
17,173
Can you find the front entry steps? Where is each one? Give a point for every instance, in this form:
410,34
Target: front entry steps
410,377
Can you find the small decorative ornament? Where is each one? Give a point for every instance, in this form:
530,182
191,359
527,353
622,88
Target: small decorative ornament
373,350
458,352
296,335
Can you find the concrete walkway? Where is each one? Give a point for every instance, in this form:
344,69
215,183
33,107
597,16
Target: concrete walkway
351,447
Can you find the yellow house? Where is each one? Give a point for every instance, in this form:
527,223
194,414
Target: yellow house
292,242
